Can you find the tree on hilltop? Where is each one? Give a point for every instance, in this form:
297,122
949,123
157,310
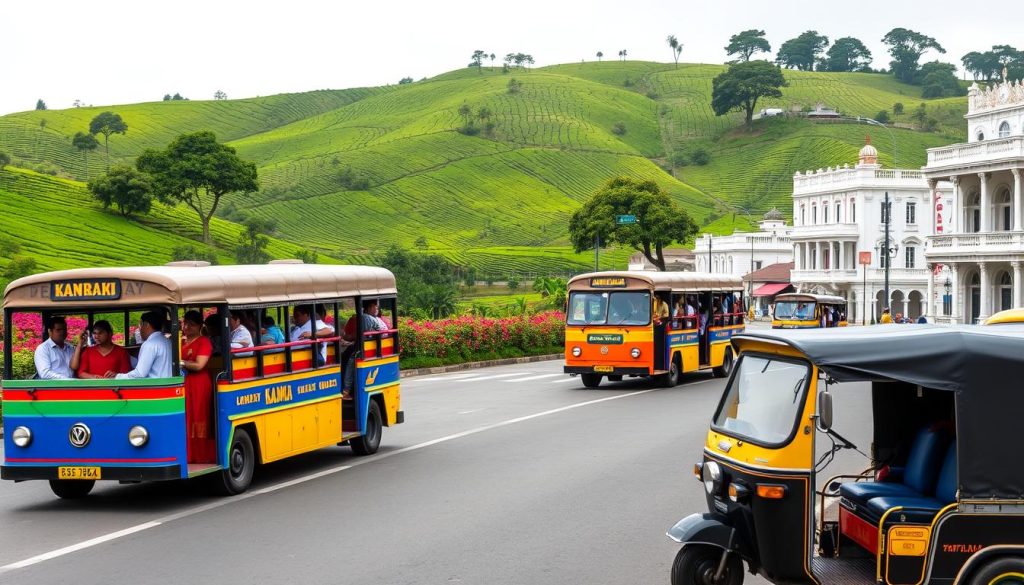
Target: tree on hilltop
491,56
739,87
846,54
676,47
906,47
40,104
744,44
802,52
125,188
599,55
85,142
106,124
220,95
477,60
198,171
660,221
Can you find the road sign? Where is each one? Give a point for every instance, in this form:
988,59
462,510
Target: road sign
625,219
865,258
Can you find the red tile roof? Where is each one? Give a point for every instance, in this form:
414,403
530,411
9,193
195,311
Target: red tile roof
773,273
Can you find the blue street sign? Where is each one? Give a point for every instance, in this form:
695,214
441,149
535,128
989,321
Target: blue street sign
625,219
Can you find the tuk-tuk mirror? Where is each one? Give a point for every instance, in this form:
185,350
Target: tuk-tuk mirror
824,410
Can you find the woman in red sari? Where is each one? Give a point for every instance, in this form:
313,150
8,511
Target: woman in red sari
196,350
103,360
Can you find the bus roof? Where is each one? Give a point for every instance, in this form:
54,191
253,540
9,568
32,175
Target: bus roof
196,284
676,281
825,299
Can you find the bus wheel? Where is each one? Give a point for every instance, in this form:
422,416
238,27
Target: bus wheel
241,465
71,489
670,379
368,443
591,380
615,378
697,564
726,367
1001,571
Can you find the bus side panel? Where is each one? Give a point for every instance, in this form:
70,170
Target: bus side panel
720,339
377,376
685,343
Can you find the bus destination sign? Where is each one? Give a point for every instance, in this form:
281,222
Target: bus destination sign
89,289
608,282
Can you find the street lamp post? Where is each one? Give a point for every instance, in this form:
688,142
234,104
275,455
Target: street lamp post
947,301
885,251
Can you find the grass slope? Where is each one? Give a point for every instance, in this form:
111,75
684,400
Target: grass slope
501,200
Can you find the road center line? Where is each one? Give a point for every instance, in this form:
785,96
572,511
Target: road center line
47,556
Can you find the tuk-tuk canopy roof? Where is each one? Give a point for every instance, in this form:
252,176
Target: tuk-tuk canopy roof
983,366
197,284
674,281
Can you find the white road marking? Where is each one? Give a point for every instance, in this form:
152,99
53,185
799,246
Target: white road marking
564,380
470,411
299,480
495,376
445,377
531,378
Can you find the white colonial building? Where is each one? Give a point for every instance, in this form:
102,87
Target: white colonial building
980,244
745,252
838,214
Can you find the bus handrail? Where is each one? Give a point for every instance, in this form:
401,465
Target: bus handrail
253,348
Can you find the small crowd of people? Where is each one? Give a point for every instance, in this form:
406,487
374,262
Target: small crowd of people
887,317
689,307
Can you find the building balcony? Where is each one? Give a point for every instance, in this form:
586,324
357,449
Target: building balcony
826,232
973,153
985,243
913,274
821,181
823,276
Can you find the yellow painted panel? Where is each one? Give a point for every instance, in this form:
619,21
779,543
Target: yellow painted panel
278,441
392,403
329,422
304,428
691,358
908,541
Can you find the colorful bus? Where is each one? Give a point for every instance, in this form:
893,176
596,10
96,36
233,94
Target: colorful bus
276,397
654,324
807,311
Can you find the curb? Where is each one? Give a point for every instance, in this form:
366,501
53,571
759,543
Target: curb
484,364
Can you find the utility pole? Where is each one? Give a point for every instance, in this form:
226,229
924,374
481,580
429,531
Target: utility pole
885,248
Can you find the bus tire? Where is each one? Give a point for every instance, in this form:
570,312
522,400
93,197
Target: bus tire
1000,570
71,489
236,478
696,564
726,367
671,378
369,442
615,378
591,380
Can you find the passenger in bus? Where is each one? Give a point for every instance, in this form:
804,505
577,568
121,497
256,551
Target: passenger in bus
270,334
370,322
660,310
213,331
196,351
303,330
53,356
240,336
103,360
155,353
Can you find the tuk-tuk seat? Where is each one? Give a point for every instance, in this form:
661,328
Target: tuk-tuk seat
918,476
945,494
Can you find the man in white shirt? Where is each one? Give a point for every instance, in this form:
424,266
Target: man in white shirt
53,356
240,336
304,326
155,353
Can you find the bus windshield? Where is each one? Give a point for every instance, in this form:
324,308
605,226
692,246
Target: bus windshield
763,399
602,308
794,310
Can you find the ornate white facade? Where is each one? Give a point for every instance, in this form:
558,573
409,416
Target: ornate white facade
981,246
838,213
745,252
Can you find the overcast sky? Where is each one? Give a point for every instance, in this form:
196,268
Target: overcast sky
110,52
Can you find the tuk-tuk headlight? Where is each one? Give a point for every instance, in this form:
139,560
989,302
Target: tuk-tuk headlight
21,436
138,436
577,352
635,352
712,477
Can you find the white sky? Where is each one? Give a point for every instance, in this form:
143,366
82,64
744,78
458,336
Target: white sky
110,52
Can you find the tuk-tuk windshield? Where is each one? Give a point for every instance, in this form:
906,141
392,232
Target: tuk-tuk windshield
603,308
763,399
801,310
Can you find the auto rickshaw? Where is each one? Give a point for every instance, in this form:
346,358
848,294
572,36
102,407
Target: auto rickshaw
942,501
1005,317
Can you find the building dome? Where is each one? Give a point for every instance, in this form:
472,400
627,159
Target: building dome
773,215
868,154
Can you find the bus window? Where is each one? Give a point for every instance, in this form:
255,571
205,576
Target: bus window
586,308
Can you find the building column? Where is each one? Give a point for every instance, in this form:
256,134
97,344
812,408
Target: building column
1017,220
932,183
1017,288
986,203
817,256
958,208
986,294
957,310
929,301
842,256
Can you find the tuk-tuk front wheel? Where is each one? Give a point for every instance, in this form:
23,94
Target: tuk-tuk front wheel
1001,571
697,564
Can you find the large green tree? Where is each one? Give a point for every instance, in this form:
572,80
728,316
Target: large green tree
198,171
938,79
125,188
846,54
906,47
108,123
253,241
740,86
660,222
744,44
802,52
85,142
988,65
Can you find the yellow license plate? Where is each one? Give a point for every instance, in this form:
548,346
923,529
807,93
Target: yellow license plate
78,473
604,368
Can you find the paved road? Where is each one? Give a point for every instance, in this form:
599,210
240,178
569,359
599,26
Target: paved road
512,475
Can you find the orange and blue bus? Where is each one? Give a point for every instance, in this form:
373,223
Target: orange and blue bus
270,400
651,324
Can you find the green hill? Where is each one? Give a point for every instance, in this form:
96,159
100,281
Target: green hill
500,200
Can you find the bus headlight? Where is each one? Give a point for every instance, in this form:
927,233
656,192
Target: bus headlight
21,436
577,352
138,436
635,352
712,477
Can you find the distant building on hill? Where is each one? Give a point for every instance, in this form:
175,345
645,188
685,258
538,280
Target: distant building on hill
822,112
676,260
745,252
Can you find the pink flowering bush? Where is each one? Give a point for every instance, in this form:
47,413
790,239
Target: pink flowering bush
469,338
